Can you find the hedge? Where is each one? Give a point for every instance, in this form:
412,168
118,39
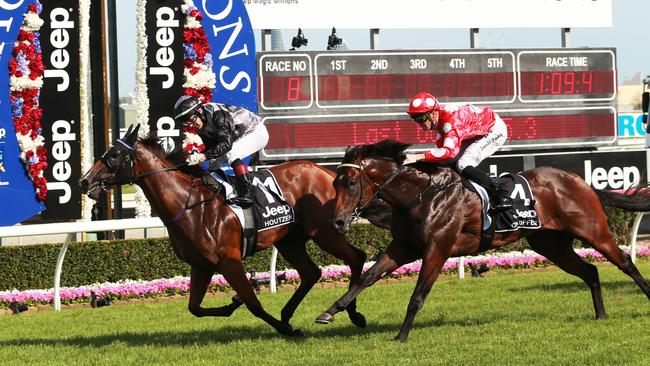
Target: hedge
32,267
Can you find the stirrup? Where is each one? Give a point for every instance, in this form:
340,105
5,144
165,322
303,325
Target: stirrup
241,201
502,205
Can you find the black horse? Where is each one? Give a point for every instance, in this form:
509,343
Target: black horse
447,221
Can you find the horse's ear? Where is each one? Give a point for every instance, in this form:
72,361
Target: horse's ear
128,132
136,130
132,135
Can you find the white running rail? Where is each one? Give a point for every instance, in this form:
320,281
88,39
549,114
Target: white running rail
71,229
74,228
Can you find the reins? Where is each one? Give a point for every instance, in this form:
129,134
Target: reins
146,174
357,211
134,178
187,208
430,189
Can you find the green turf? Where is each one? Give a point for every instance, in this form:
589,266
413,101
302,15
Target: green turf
507,318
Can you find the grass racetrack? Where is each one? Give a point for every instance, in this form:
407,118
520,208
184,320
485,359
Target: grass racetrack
542,317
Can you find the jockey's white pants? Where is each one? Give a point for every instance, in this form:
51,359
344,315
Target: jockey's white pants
482,148
248,144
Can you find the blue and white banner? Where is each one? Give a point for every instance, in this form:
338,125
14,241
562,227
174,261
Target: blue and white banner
232,43
17,194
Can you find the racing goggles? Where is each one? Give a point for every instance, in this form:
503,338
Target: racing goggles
420,118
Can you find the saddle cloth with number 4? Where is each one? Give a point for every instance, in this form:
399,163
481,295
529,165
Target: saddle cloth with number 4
522,215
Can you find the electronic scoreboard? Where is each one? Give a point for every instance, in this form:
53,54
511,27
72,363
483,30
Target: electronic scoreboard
315,104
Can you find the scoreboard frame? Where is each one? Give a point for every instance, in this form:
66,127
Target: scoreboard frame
593,128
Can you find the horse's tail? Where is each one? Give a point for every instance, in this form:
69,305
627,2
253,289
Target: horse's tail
632,200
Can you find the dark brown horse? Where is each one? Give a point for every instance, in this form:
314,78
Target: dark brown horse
447,222
206,234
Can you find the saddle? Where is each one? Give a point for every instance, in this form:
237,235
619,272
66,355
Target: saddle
522,215
269,210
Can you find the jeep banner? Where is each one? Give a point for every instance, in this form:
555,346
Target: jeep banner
201,48
618,170
164,31
18,198
59,41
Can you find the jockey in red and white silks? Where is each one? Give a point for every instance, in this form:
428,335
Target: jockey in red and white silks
462,122
454,124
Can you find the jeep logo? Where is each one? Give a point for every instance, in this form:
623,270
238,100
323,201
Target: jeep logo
615,177
527,214
280,210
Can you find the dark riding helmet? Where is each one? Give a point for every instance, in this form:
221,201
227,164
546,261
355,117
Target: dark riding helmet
186,106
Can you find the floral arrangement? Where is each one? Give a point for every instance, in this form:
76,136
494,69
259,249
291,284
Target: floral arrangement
180,285
25,81
200,80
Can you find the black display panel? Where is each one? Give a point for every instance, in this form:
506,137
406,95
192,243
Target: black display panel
566,75
328,136
315,104
285,81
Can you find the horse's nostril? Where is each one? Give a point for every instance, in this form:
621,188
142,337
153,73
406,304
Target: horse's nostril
83,184
339,223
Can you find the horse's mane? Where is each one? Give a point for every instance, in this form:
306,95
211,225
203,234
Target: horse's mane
175,157
393,150
386,149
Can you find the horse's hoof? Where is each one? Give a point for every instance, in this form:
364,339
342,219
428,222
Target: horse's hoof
236,300
325,318
357,319
401,339
297,333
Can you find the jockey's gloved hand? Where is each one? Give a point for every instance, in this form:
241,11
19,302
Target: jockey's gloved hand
194,159
412,158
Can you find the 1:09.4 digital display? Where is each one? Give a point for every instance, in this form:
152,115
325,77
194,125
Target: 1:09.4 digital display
568,83
332,89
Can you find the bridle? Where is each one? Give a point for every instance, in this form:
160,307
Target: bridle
356,214
128,176
430,189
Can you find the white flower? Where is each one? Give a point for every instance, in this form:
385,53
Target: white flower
192,138
191,22
25,82
204,78
32,22
195,159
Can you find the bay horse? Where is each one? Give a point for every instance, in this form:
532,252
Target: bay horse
435,217
207,235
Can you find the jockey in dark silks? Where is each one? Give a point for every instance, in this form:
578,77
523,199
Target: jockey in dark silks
229,134
452,125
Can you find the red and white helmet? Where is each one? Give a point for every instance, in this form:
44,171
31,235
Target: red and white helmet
423,102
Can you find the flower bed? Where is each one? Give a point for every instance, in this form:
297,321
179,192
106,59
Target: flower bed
180,285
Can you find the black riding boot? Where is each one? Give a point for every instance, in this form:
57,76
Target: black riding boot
243,187
244,190
499,199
